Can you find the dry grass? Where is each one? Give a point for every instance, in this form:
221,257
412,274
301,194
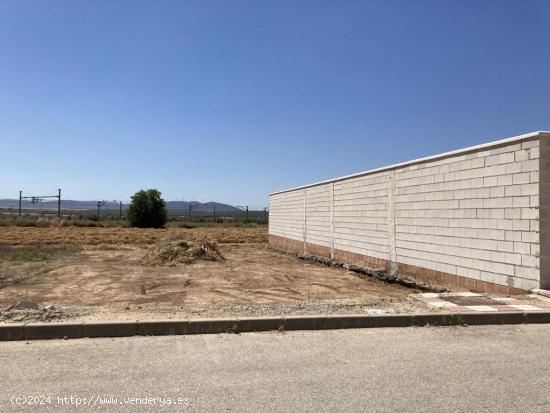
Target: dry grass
177,251
34,253
13,235
110,221
51,221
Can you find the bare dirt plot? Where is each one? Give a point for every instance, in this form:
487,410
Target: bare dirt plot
111,282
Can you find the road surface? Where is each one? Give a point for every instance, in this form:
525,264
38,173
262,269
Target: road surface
429,369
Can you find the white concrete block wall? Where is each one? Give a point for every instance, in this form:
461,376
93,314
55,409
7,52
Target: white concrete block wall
293,212
544,212
318,213
361,215
473,215
472,212
277,215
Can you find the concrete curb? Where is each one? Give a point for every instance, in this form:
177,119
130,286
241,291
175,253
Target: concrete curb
38,331
541,292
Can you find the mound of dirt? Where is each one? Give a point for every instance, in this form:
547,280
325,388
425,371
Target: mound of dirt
177,251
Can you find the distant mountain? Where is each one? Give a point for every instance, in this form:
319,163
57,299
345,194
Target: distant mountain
201,207
92,205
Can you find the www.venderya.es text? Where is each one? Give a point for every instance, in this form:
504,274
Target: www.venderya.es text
97,400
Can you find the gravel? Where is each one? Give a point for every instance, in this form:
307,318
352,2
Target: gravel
28,311
378,306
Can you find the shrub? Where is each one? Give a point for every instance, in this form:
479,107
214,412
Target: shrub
147,210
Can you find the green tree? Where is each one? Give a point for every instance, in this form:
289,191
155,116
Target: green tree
147,210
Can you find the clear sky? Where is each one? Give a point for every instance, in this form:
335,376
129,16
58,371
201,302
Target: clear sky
231,100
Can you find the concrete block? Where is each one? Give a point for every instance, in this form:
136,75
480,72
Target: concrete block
534,143
522,155
531,165
520,201
514,190
499,159
529,273
529,261
522,247
528,284
512,168
513,235
534,153
520,178
11,331
109,329
492,318
39,331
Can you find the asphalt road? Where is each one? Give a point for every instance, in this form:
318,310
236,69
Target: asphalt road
455,369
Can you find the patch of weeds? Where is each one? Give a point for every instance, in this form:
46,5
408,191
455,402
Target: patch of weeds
35,253
234,329
460,320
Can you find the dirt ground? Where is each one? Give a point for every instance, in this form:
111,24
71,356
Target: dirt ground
105,278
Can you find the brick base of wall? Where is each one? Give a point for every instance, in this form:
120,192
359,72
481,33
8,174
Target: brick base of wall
418,273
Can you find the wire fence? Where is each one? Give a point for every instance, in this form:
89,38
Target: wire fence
245,214
193,212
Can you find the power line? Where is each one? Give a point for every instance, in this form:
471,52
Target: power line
35,199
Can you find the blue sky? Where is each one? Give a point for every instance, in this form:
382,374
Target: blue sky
231,100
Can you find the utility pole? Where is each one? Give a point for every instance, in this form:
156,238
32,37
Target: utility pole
214,210
35,199
247,213
120,211
99,205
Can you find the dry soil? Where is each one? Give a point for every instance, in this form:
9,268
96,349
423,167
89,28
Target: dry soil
106,278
